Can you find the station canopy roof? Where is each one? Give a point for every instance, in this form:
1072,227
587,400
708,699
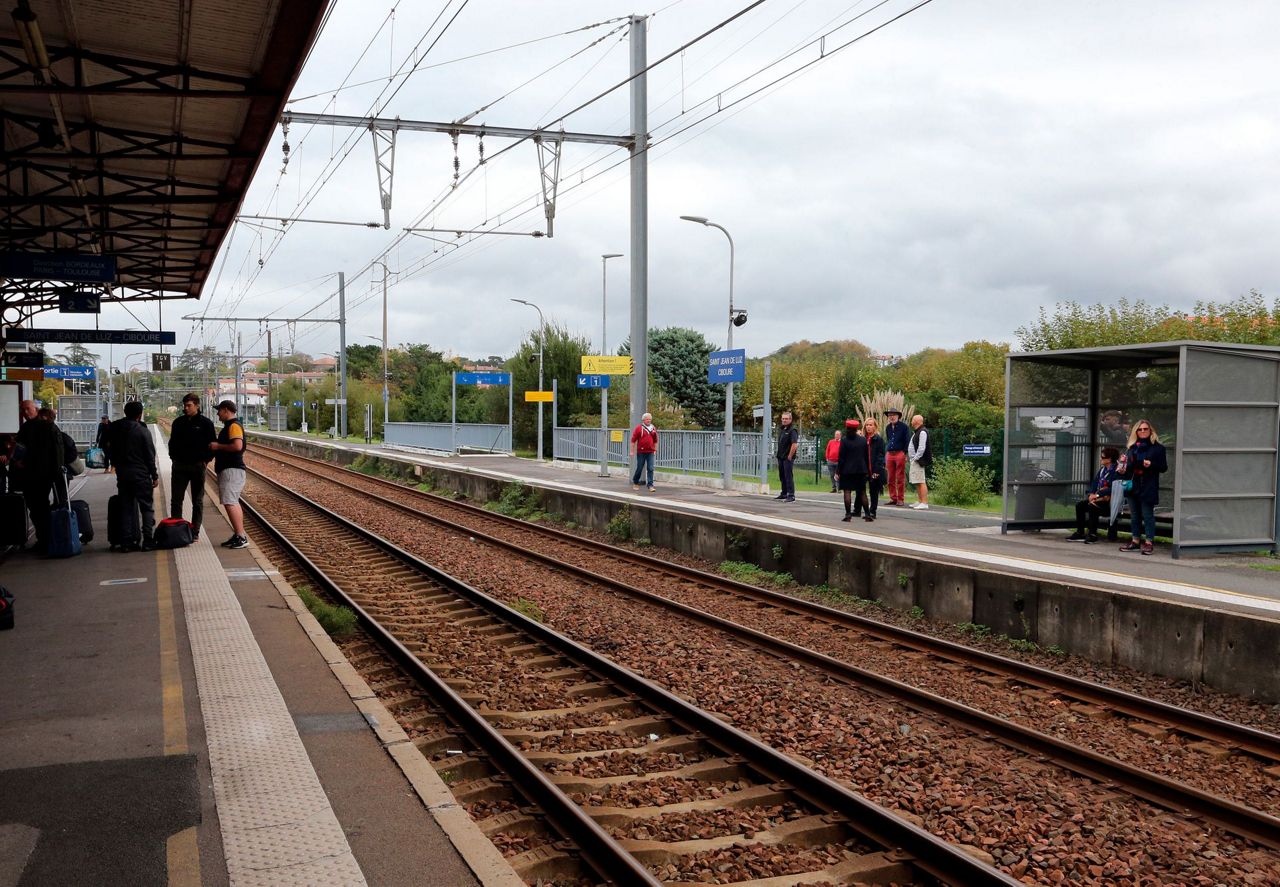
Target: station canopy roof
1139,354
132,128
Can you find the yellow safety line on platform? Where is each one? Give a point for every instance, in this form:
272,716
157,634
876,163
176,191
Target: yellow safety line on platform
182,855
175,710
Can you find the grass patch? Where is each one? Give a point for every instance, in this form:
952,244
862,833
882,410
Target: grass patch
526,607
1275,568
518,501
750,573
337,621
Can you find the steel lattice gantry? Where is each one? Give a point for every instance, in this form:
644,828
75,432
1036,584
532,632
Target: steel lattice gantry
133,128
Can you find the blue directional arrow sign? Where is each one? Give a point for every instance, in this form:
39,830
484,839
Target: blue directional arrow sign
297,403
484,378
68,372
592,381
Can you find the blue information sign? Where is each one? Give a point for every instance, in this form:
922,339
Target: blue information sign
65,372
977,449
727,366
77,267
484,378
93,337
297,403
592,381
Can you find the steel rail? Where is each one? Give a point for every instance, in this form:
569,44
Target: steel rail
925,851
1177,796
1228,733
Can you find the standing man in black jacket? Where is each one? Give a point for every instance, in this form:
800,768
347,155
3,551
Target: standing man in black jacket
134,453
788,443
189,440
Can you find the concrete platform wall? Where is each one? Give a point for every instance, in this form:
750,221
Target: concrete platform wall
1232,652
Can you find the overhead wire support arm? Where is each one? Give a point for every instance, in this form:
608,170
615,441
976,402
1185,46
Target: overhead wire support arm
285,220
502,132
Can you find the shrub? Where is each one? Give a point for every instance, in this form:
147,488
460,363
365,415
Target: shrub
958,482
619,526
529,608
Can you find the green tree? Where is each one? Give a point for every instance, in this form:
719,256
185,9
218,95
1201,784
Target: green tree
678,365
838,349
79,355
562,361
206,359
973,372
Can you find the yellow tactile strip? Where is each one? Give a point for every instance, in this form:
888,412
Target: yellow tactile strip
277,825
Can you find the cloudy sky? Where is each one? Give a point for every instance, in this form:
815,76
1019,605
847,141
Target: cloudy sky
934,183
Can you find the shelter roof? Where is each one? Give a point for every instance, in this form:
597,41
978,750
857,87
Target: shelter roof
133,128
1132,355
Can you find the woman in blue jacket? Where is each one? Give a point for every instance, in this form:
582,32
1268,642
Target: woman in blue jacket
1143,463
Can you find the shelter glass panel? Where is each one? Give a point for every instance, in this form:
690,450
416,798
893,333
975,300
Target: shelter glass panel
1228,520
1230,427
1226,473
1138,387
1032,382
1212,376
1050,426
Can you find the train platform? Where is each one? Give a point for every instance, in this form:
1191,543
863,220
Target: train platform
1228,582
178,718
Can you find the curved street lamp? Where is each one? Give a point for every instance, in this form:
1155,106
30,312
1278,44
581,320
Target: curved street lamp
542,337
736,318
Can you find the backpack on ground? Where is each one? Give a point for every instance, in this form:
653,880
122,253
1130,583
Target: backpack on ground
6,609
173,532
95,458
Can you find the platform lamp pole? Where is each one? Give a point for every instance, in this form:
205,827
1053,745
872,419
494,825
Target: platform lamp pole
735,319
542,337
604,347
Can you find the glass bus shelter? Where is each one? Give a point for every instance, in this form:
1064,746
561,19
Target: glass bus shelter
1215,407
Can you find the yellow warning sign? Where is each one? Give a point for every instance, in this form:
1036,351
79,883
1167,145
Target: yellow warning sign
615,436
536,396
606,365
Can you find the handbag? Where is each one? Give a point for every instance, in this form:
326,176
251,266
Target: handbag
1128,485
76,468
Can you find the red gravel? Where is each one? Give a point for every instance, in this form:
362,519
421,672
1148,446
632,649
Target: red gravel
1037,821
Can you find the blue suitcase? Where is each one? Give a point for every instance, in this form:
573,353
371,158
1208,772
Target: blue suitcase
64,533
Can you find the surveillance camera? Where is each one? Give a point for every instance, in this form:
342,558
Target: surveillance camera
739,316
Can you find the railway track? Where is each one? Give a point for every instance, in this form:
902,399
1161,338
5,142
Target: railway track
1235,817
632,784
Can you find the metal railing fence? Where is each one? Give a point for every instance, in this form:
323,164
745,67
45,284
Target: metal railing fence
441,436
698,452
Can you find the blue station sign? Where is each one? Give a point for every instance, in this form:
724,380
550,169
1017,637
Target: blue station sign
977,449
68,372
483,378
74,267
592,381
727,366
92,337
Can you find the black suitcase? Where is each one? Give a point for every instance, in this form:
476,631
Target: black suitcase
83,518
122,523
6,609
13,520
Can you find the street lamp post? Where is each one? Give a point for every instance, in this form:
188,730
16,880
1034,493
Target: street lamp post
735,319
542,337
604,347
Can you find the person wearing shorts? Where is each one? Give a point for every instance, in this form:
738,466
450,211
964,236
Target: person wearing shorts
228,461
919,458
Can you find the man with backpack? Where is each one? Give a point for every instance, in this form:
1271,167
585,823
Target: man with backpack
189,440
41,456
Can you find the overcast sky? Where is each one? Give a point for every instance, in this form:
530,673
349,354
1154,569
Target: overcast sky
935,183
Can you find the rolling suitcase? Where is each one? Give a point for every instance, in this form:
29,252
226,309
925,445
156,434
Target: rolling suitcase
83,518
122,523
64,533
13,520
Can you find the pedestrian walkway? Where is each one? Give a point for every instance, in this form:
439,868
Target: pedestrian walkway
167,720
947,535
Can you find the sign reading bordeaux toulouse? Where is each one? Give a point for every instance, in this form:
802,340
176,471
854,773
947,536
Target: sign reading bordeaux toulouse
93,337
73,267
727,366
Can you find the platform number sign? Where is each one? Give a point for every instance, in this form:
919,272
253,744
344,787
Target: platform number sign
161,362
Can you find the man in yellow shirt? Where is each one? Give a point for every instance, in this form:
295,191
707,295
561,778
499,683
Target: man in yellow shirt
228,461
